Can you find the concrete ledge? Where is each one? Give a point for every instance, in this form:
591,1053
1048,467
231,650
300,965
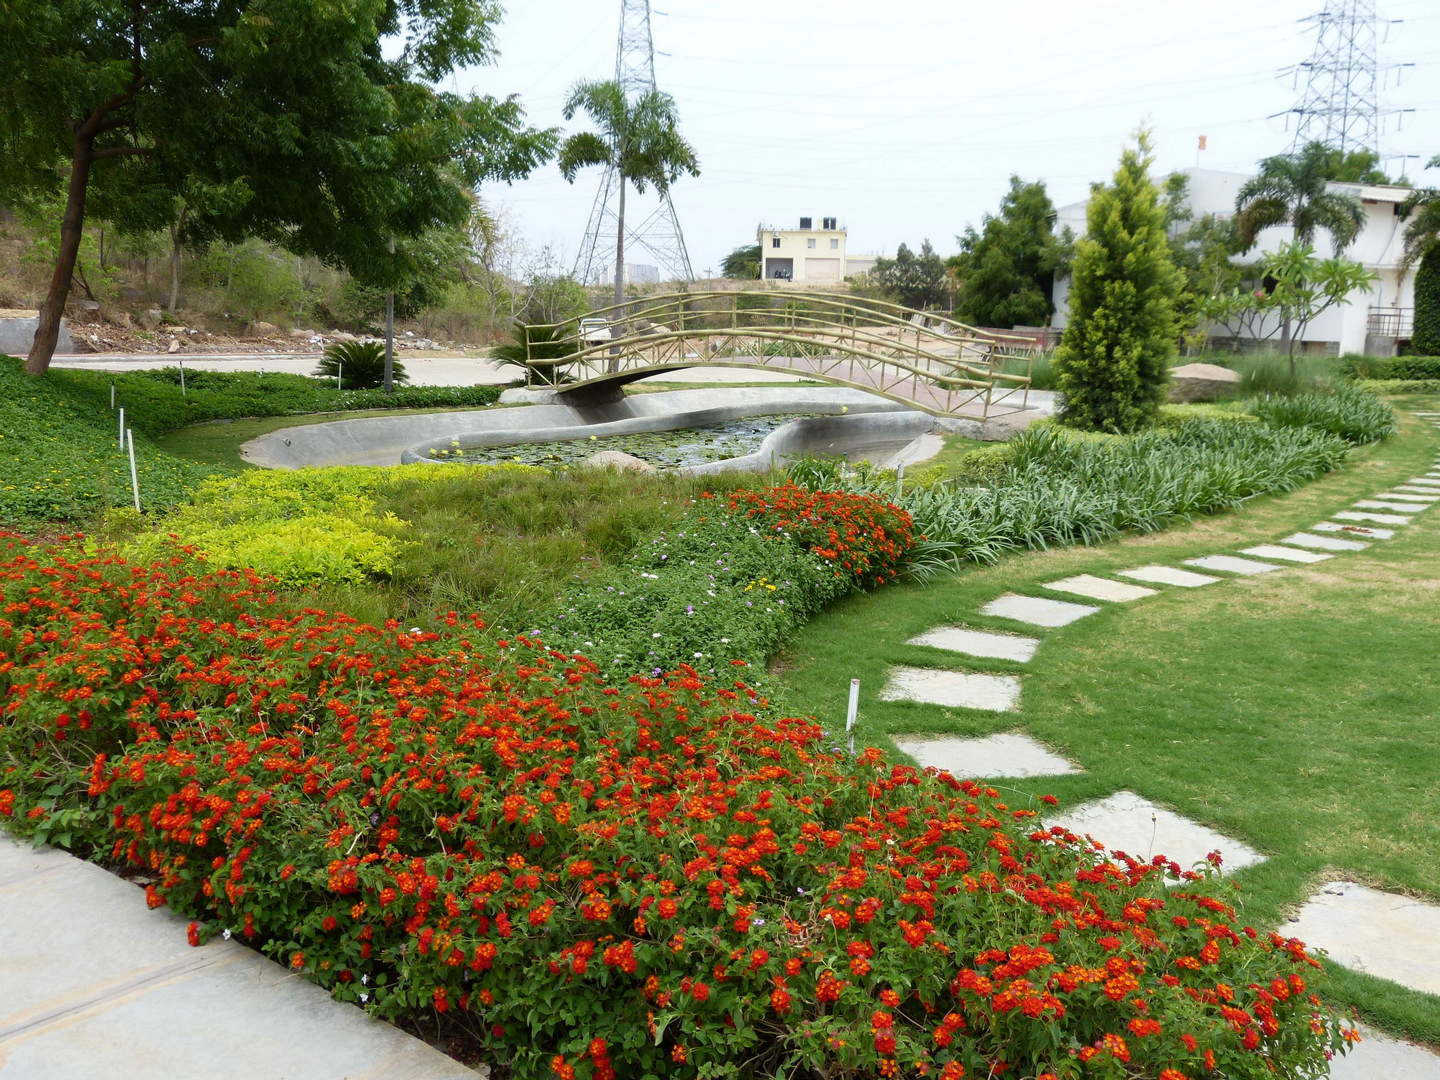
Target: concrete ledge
17,334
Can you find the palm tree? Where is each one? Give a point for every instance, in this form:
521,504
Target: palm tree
1422,245
639,139
1294,190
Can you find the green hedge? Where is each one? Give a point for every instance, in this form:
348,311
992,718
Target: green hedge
1390,367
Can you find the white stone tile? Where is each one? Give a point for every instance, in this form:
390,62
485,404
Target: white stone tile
1430,493
1286,554
1426,482
1229,564
1099,588
1379,519
1380,504
1168,575
1405,496
1344,528
1380,933
953,689
1009,755
984,643
1037,610
1378,1056
1323,543
1126,822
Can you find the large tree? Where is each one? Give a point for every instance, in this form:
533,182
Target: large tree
743,263
1294,190
1422,247
1113,362
640,139
313,124
915,280
1007,269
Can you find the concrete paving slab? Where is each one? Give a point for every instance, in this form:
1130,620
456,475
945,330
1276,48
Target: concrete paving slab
95,984
1010,755
1168,575
1380,1057
1362,515
1098,588
1380,933
1430,494
1407,496
1383,504
1426,481
1126,822
983,643
953,689
1229,564
1286,554
1323,543
1037,610
1348,529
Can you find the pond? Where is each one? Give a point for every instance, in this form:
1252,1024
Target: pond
663,449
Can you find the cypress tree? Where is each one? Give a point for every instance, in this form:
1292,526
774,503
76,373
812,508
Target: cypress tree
1114,359
1426,339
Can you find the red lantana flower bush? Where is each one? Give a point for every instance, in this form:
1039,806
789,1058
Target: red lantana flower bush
653,877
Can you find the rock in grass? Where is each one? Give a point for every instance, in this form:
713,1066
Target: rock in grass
617,459
1201,382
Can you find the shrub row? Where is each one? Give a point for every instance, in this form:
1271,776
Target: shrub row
596,880
1390,367
1351,412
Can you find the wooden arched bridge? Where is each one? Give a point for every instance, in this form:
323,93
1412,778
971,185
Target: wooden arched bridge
928,362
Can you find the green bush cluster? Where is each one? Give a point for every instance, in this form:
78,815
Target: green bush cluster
1356,366
1352,413
1399,386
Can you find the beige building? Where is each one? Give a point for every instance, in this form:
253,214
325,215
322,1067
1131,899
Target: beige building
808,254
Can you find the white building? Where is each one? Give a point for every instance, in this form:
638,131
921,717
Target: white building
1374,322
808,254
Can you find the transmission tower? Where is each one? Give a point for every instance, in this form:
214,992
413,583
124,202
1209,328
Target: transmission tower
654,230
1343,79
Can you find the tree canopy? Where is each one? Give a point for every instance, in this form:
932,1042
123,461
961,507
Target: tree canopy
743,263
1293,189
918,281
1422,250
280,119
1006,271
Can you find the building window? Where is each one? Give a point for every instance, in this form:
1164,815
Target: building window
834,243
774,241
810,243
828,222
807,223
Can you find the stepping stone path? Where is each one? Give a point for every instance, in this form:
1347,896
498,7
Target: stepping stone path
1126,822
1168,575
1383,934
1381,504
953,689
1285,554
1037,610
1383,519
1359,530
1231,565
980,643
1323,543
1098,588
1400,496
1009,756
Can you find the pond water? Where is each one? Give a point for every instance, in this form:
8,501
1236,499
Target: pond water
663,449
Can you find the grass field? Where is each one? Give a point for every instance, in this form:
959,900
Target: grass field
1296,711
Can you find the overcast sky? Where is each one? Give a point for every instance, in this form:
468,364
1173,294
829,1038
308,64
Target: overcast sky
905,119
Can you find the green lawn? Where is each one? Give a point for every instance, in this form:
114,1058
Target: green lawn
1297,711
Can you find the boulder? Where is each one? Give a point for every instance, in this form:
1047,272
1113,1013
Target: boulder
1202,382
617,459
150,318
264,329
174,345
116,317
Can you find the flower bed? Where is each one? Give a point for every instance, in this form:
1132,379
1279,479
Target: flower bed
658,877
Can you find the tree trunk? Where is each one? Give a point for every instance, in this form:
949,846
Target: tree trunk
619,266
389,343
72,228
173,301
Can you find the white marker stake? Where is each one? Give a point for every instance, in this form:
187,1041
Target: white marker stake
122,429
340,375
182,377
851,713
112,395
134,478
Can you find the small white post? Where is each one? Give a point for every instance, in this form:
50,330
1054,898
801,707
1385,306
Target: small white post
112,395
122,429
340,375
181,362
134,477
851,712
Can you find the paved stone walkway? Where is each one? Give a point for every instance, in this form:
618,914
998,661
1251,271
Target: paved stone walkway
95,985
1384,934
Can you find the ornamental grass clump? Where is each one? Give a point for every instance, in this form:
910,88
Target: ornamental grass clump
660,876
1351,412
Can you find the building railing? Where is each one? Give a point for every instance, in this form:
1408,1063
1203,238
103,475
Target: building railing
1392,322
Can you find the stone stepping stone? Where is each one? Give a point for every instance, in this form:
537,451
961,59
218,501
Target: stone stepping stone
1378,504
1410,497
1168,575
1415,489
1098,588
1037,610
1126,822
1423,481
953,689
1358,530
1361,515
1010,755
1285,554
1229,564
1323,543
984,643
1383,934
1378,1056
